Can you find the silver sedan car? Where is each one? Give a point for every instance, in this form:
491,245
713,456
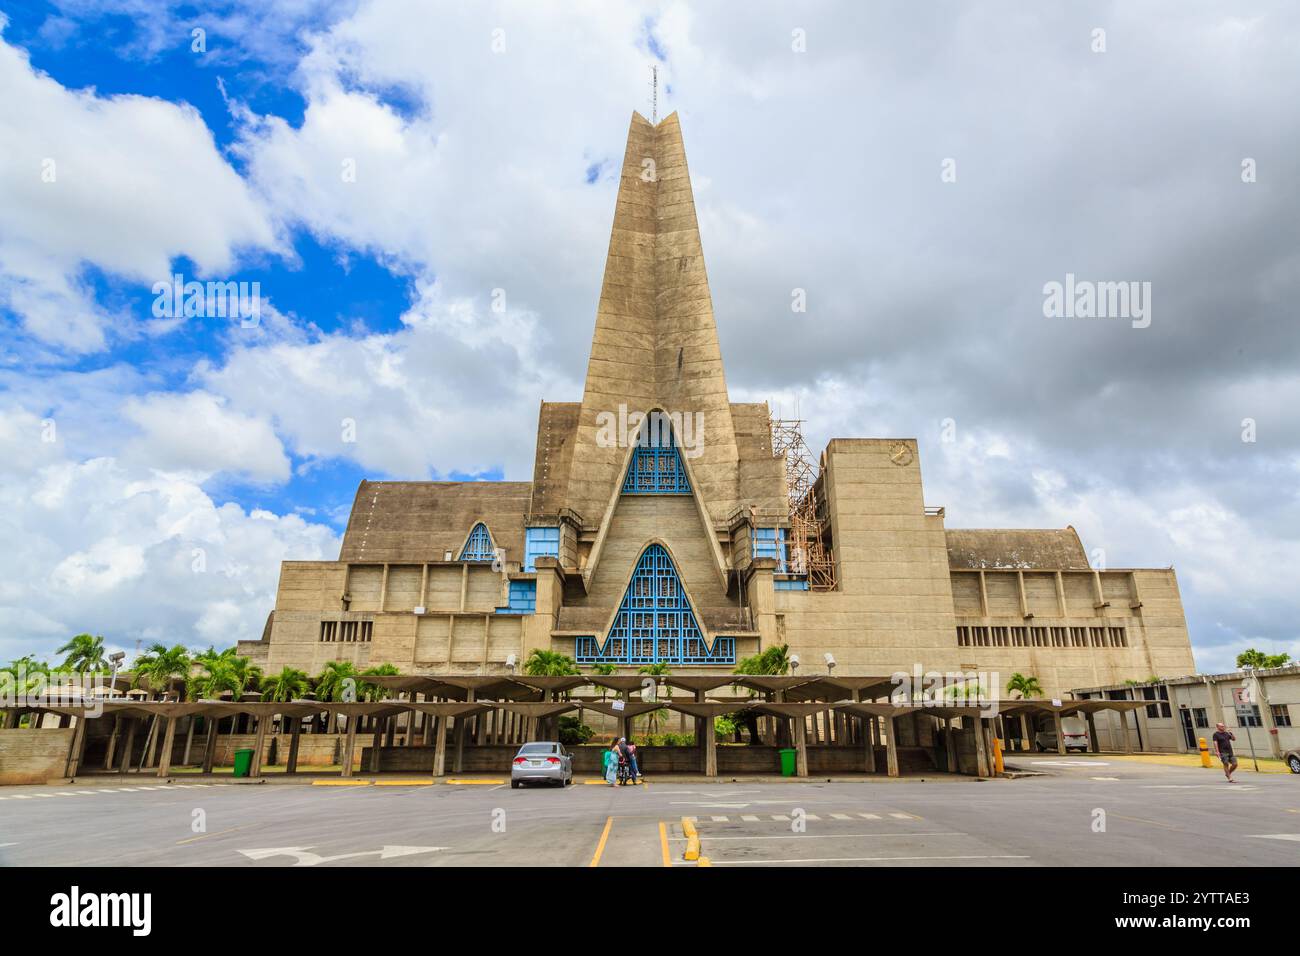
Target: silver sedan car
542,761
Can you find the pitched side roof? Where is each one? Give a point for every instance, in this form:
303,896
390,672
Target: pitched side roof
1048,549
417,521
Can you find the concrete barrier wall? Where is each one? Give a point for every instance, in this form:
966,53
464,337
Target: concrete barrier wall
33,756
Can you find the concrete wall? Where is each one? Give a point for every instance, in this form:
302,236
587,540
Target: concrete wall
33,756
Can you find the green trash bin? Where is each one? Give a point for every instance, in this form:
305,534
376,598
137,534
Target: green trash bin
243,762
787,761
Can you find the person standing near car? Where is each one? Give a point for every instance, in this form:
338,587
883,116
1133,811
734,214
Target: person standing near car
1223,748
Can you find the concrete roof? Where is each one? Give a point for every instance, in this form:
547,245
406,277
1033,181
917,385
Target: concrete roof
1012,548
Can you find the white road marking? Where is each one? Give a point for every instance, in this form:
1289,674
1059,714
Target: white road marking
718,819
306,858
1105,778
780,816
1276,836
22,796
749,818
869,816
840,816
904,816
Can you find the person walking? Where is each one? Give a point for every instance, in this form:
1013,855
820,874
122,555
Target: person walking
635,768
611,763
1223,749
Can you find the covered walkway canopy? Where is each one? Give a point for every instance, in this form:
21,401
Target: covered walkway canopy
522,703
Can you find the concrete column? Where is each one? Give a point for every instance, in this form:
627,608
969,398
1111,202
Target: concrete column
77,748
800,747
950,744
1025,742
210,747
189,740
1093,744
869,743
169,739
981,755
440,747
710,751
891,745
1060,736
126,745
1123,728
383,732
112,742
256,769
295,731
349,746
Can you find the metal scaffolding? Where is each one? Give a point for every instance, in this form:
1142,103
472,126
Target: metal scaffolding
809,552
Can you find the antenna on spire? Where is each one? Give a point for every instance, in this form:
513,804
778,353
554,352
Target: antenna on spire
654,95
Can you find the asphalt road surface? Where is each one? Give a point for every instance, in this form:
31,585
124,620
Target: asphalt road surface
1087,810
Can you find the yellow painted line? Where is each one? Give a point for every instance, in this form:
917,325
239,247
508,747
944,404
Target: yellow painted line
600,847
403,783
692,839
663,843
703,861
456,781
595,783
340,783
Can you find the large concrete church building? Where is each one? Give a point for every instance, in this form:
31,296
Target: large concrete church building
666,523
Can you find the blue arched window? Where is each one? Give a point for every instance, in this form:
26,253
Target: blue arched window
655,622
656,467
478,546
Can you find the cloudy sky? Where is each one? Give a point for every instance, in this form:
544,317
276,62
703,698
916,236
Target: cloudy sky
920,169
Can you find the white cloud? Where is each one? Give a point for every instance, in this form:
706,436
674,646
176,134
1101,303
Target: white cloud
196,433
123,183
100,545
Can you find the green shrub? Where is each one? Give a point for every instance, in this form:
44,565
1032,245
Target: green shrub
574,732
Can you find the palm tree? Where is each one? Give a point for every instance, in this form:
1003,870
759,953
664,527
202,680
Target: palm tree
369,691
289,684
332,680
604,670
774,662
549,664
656,717
85,653
223,671
1025,686
159,664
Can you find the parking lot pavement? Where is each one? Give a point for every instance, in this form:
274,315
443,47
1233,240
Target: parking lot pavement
1100,813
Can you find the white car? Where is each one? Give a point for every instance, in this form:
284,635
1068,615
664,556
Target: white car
1074,730
541,762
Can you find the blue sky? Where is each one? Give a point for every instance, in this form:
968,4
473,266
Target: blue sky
437,295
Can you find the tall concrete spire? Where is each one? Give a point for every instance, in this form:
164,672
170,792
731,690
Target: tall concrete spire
655,344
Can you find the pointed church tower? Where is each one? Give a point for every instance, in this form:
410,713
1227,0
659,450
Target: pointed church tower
655,344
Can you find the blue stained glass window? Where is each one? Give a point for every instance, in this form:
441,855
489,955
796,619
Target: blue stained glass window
656,468
478,546
655,622
770,543
522,600
538,543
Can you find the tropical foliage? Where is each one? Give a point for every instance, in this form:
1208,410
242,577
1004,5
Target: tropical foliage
289,684
85,654
1258,659
1026,686
542,663
159,664
774,660
222,671
368,691
332,681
